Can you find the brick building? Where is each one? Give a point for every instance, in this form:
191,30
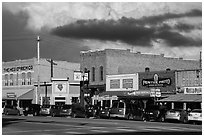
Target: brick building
115,61
20,80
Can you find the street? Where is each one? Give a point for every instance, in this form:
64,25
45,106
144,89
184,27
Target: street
21,125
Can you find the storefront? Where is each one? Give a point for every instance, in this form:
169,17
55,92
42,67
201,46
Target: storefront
190,99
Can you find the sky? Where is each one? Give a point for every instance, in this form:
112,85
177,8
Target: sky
66,28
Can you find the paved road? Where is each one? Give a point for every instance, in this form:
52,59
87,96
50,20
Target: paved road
20,125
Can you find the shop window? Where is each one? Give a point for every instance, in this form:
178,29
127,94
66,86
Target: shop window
23,78
29,78
93,74
101,73
11,80
6,80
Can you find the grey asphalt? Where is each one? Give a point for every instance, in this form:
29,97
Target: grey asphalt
21,125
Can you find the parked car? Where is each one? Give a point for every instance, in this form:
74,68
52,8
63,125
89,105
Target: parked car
64,110
155,112
104,113
45,109
195,116
92,110
78,111
11,110
121,109
33,109
177,114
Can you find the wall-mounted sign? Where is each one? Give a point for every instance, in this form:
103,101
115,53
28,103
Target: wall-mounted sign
193,90
114,83
127,83
156,82
11,95
19,68
138,93
60,87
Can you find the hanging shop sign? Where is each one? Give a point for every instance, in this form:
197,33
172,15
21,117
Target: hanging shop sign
19,68
155,93
193,90
156,82
79,76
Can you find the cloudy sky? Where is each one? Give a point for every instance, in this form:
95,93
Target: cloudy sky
173,29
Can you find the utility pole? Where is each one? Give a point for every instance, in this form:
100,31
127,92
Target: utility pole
200,59
38,58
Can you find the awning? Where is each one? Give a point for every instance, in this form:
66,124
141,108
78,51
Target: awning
135,93
182,98
14,93
27,96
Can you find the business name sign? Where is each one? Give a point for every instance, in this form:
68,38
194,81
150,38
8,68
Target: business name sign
193,90
19,68
11,95
156,82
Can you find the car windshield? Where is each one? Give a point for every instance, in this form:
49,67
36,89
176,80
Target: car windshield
46,106
175,110
66,107
121,105
197,111
115,105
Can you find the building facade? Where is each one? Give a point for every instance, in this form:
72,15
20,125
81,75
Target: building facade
114,61
20,78
177,89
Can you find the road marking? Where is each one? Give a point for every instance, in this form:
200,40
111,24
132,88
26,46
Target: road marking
94,130
121,129
72,132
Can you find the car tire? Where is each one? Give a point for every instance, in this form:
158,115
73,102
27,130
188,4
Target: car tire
162,119
35,113
53,114
130,117
74,115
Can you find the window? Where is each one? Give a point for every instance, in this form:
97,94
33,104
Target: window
29,78
6,80
93,74
17,79
101,73
23,78
11,80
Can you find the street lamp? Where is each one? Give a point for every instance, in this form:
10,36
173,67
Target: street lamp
38,60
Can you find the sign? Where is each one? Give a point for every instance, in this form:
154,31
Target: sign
156,82
78,76
21,68
127,83
138,93
193,90
60,87
155,93
11,95
114,83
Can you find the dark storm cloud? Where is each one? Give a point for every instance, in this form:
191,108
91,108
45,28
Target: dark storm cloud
132,31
